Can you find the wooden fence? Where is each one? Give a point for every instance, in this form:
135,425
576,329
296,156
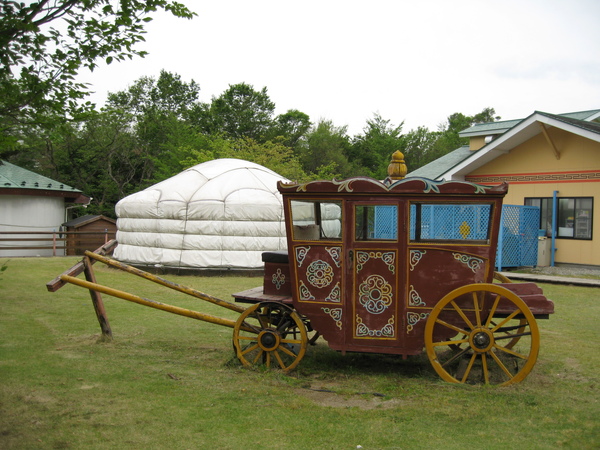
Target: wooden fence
71,242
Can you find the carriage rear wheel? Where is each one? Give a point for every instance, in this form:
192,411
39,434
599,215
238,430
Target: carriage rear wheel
270,334
482,333
502,279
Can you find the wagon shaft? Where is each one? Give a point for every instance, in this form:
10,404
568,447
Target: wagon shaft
85,266
166,283
147,302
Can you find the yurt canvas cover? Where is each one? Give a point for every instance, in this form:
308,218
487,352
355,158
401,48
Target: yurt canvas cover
220,214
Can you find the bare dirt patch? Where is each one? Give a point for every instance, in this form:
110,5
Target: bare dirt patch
326,396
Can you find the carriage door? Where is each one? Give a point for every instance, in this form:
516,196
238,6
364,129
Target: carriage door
375,264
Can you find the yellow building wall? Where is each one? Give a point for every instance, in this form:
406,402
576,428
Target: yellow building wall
533,170
475,143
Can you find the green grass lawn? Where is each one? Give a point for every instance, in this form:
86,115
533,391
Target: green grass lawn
167,381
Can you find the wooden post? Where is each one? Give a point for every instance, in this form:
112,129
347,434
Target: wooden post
97,300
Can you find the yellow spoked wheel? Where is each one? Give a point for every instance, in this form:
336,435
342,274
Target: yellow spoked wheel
503,279
482,333
271,335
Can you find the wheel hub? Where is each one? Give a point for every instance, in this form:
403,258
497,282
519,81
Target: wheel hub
268,340
481,340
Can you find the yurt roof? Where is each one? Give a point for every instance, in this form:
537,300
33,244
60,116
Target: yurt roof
217,181
219,214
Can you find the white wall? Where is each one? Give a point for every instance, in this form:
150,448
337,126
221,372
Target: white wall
30,213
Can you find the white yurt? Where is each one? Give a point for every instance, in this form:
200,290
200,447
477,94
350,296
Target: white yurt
219,214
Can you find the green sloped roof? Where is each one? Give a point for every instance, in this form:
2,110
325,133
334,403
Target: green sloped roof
484,129
441,165
583,124
489,128
15,177
581,115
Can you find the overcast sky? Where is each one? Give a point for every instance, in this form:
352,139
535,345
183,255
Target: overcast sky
414,61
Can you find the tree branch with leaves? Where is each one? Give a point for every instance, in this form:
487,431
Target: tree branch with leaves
44,45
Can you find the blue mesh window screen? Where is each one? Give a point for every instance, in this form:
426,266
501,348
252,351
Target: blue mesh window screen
449,222
376,222
386,222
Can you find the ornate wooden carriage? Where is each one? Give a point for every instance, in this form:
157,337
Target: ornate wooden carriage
396,267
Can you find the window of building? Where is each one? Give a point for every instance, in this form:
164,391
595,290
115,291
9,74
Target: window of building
574,216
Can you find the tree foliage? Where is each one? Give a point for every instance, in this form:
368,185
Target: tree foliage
327,146
239,112
292,127
449,139
100,156
272,154
418,147
44,45
372,150
166,95
158,111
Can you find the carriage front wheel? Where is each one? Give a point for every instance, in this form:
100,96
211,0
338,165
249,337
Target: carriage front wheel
270,334
482,333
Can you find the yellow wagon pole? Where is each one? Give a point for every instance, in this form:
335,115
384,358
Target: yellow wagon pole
156,279
152,303
86,266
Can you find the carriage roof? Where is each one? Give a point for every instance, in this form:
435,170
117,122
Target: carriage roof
404,187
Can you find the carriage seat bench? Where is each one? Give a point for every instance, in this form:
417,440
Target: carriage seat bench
532,295
276,282
277,257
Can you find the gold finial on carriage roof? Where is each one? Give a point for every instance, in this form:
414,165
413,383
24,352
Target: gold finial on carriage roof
397,168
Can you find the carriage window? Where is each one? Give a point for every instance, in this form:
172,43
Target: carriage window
376,222
313,220
450,222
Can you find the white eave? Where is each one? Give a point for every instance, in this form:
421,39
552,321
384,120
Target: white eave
503,144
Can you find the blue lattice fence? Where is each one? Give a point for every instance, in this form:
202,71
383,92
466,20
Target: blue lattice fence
518,238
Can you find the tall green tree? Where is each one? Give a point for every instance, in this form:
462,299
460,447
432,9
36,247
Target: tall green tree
159,110
326,150
419,147
371,151
44,45
166,95
239,112
292,127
